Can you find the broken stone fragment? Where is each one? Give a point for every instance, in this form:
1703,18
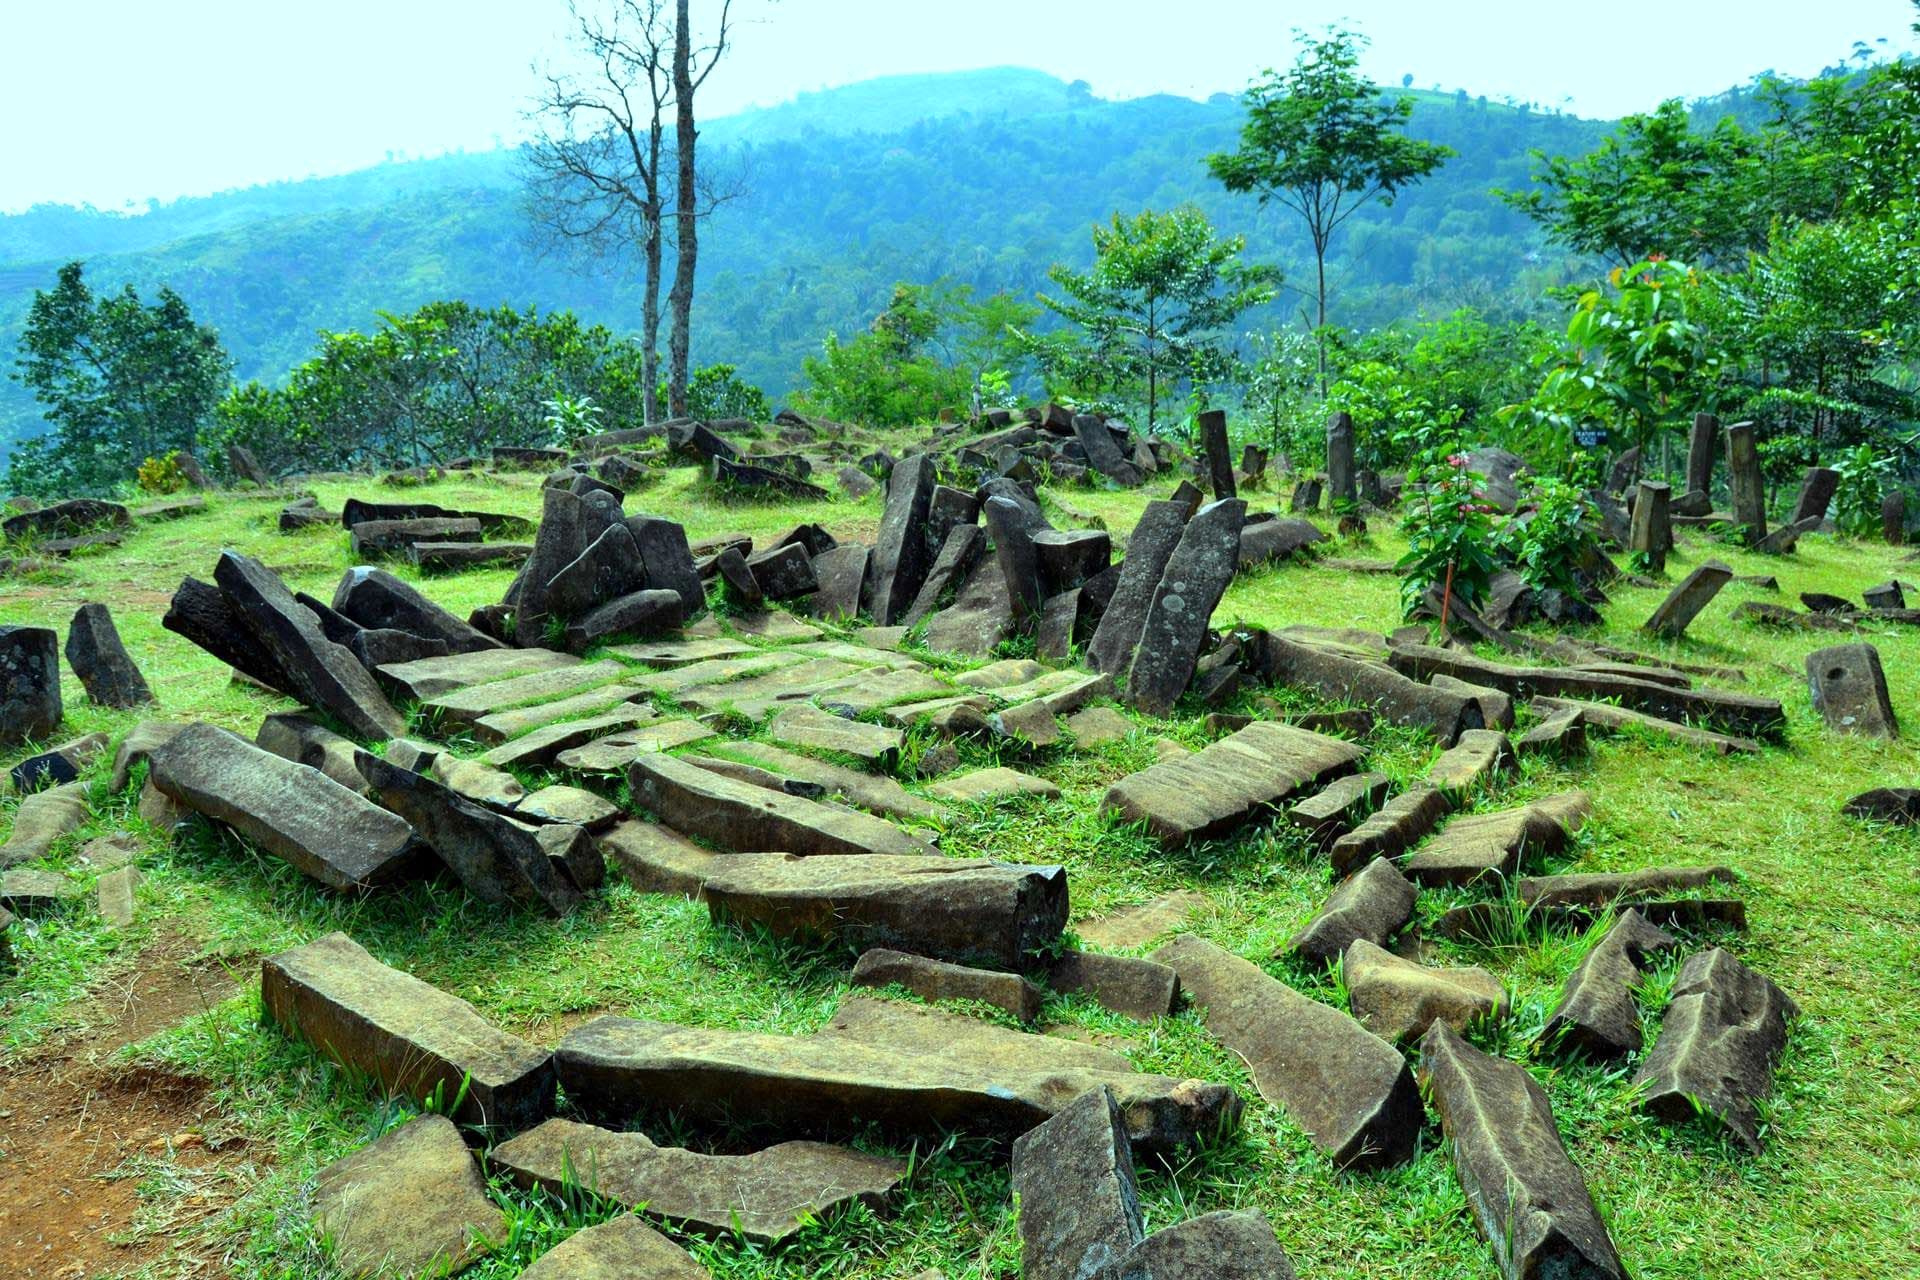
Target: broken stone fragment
101,662
411,1205
1327,816
1601,888
745,818
1391,830
294,736
810,728
938,980
622,1249
1596,1013
1850,691
1079,1204
1128,985
1346,1087
912,1071
763,1196
965,910
1197,575
984,786
1527,1196
29,684
1482,845
1398,999
1723,1033
57,766
1370,906
415,1039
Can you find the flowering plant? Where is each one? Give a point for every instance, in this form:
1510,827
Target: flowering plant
1450,531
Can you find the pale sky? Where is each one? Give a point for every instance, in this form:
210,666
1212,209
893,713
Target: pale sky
110,102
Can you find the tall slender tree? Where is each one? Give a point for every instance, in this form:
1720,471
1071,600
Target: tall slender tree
1322,141
691,67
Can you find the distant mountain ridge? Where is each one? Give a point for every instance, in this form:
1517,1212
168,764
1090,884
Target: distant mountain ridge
986,176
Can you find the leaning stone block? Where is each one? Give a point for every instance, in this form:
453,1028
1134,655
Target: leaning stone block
1724,1031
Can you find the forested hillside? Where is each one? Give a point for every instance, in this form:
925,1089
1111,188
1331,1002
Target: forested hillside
987,177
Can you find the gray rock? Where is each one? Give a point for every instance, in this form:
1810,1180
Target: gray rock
1850,691
1277,539
1068,557
1471,762
1129,985
293,736
912,1071
1596,1014
1371,906
940,980
1079,1203
1214,1246
637,615
1149,547
1484,845
618,1250
1684,603
1346,1087
841,573
413,1038
981,615
1337,676
292,811
101,662
57,766
1230,783
964,910
1197,575
1390,831
1528,1198
900,554
425,678
1599,889
1724,1031
1337,808
747,819
1103,454
809,727
668,560
410,1205
569,524
29,684
1398,999
609,567
203,614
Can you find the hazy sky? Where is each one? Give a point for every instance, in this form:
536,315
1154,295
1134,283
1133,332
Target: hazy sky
114,101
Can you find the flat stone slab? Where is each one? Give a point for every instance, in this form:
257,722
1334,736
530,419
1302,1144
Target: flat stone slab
541,747
657,859
1341,674
816,730
1724,1031
567,804
25,887
1390,830
1596,1014
764,1196
1528,1198
910,1070
675,681
1129,985
1371,906
875,793
613,752
425,678
754,697
771,626
749,819
941,980
465,706
1346,1087
880,689
1398,999
666,655
622,1249
1139,925
1471,762
114,893
410,1036
1230,783
42,818
292,811
1344,802
504,726
1096,725
1604,715
1602,888
1480,845
412,1204
965,910
983,786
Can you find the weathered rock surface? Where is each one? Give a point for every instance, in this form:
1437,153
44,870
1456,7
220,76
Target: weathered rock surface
426,678
412,1204
1471,762
980,617
1149,547
900,556
1684,603
1129,985
622,1249
292,811
749,819
841,572
763,1196
29,684
1197,575
1333,812
1528,1198
1850,691
998,782
57,766
872,792
1397,999
297,737
940,980
1480,845
1898,805
965,910
465,705
1391,830
1345,1086
545,745
1079,1204
1596,1013
615,751
910,1070
1371,906
1230,783
40,819
498,860
1345,677
1602,888
415,1039
657,859
104,667
1723,1033
1137,926
1604,715
809,727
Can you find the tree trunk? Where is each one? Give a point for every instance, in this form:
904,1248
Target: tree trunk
686,220
1320,325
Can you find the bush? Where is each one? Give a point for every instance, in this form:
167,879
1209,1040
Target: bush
162,474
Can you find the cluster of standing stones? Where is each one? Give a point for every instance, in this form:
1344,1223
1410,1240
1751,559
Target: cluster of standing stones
809,832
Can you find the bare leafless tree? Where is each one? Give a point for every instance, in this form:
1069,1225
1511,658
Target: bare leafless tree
692,64
595,164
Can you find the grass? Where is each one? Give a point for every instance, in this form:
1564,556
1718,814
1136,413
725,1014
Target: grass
1834,905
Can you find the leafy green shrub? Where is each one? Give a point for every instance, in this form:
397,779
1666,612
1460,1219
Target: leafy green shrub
162,474
1864,473
1451,536
1550,537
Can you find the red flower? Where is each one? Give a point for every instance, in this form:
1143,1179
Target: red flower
1656,257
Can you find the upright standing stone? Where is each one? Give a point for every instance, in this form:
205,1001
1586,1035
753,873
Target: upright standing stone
1850,690
29,683
1684,603
1149,547
569,524
1103,455
246,467
102,663
1816,493
1700,453
1341,486
900,555
1652,530
1744,477
1527,1196
1893,518
1018,559
1197,575
1219,450
663,549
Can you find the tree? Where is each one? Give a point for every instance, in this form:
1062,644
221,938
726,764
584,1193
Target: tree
1321,140
119,381
691,67
594,168
1153,312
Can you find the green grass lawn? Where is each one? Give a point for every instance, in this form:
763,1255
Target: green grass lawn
1834,907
